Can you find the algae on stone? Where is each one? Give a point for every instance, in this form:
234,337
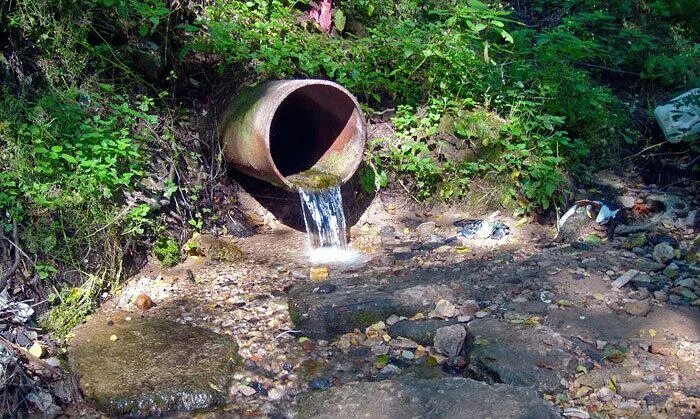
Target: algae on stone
314,180
152,367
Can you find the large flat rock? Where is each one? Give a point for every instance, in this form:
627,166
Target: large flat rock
149,366
411,398
359,303
505,353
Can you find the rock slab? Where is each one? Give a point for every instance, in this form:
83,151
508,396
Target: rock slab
149,366
358,303
411,398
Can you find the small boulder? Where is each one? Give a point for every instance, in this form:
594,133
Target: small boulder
637,308
449,340
663,252
426,229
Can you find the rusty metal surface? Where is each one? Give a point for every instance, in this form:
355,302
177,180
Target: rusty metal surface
282,127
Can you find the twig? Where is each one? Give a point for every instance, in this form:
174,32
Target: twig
31,358
644,150
15,264
611,70
407,191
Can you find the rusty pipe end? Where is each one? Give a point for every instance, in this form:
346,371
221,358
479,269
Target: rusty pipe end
283,128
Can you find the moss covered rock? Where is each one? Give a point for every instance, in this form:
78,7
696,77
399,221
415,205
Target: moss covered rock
149,366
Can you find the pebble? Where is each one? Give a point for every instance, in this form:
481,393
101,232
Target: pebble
390,369
637,308
575,412
464,319
407,354
624,279
426,229
444,309
604,394
660,295
246,390
326,289
663,252
449,340
634,390
274,394
320,384
481,314
392,319
671,270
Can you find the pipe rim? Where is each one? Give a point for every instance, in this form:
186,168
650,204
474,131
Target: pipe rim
293,86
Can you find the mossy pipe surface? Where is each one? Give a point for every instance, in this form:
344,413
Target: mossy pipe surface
282,128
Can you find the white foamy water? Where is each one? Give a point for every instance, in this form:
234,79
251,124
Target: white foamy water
331,255
325,224
324,217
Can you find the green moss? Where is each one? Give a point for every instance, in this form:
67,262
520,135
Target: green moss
314,179
295,315
167,251
367,317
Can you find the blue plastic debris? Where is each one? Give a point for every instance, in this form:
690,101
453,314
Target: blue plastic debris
483,229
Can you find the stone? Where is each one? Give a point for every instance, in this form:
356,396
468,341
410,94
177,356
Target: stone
156,366
633,390
358,303
390,369
637,308
245,390
319,273
663,252
504,352
444,309
408,397
426,229
468,308
449,340
661,296
634,241
644,280
392,319
212,247
624,278
626,201
604,394
481,314
420,331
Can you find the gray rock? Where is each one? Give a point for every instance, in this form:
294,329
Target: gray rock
358,303
660,295
448,398
627,201
153,367
637,308
663,252
624,278
449,340
503,352
634,390
604,394
444,309
646,265
420,331
426,229
671,271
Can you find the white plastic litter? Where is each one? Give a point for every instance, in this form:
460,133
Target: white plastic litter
680,117
605,214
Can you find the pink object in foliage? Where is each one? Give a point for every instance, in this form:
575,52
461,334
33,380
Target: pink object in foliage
322,15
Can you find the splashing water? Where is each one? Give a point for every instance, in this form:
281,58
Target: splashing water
324,217
322,206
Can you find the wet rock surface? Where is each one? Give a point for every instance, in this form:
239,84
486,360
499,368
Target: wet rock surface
146,366
542,317
408,397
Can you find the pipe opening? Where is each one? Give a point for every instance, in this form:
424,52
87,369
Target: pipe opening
310,125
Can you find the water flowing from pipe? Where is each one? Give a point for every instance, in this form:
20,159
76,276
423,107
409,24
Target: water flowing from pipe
324,217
